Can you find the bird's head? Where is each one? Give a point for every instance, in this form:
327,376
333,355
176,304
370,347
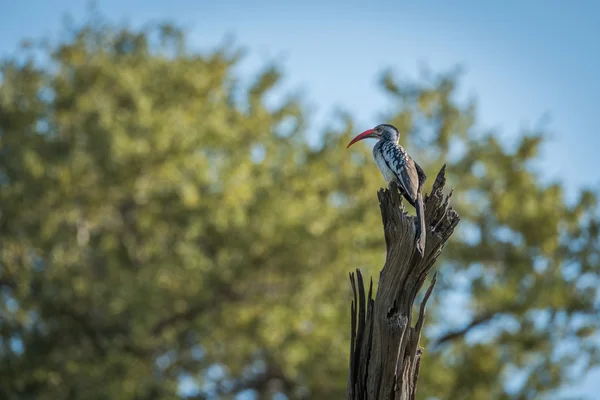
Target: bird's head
380,132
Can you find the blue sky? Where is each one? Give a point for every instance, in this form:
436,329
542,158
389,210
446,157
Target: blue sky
522,60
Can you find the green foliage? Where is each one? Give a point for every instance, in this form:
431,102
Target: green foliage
158,219
532,268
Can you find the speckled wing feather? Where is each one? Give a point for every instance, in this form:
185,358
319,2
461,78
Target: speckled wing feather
404,168
395,164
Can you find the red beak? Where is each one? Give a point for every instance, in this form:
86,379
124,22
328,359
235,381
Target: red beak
366,134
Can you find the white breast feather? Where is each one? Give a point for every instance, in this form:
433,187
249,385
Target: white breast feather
380,151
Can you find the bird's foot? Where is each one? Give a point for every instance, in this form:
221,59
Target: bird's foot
420,247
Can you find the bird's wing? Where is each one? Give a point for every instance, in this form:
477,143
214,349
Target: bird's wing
404,168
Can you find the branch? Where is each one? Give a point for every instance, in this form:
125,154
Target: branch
194,311
481,319
385,356
484,317
94,336
7,282
99,335
270,381
184,316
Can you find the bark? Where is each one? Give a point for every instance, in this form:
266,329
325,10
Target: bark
385,355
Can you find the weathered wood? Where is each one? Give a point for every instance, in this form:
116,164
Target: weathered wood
384,350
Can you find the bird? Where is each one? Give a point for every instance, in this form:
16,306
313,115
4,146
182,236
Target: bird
395,164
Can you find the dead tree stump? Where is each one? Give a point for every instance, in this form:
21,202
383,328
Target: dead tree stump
384,351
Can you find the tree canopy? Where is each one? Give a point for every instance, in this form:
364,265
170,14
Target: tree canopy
162,221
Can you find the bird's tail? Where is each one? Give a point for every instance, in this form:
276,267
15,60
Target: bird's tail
421,233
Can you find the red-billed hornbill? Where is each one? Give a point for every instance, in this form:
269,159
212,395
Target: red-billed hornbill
396,165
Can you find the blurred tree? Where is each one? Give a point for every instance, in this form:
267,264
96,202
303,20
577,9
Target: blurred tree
527,264
166,231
